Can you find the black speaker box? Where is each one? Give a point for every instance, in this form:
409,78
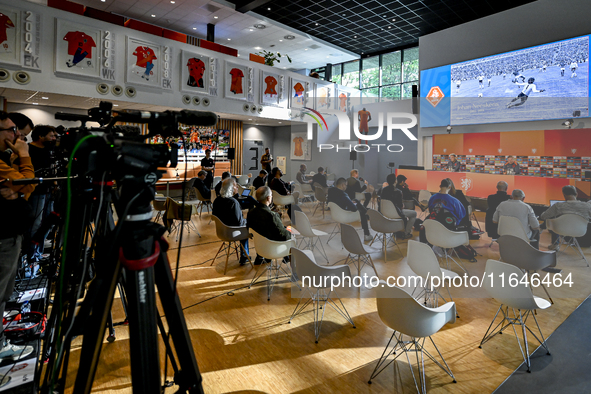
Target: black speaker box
415,99
231,153
353,155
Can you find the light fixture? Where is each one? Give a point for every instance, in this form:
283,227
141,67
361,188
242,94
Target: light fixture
316,23
393,19
172,1
249,119
260,26
238,54
269,9
448,129
258,48
305,49
103,0
45,98
250,30
215,17
194,28
153,16
289,37
279,122
354,36
229,39
389,27
35,103
568,123
115,105
280,40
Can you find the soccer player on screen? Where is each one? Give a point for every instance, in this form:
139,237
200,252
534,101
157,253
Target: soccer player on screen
573,69
458,83
480,79
528,88
562,70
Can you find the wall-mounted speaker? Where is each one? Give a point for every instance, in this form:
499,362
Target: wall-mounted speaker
130,91
246,107
196,100
117,90
253,108
231,153
186,99
353,155
102,88
260,109
205,101
415,99
4,75
22,77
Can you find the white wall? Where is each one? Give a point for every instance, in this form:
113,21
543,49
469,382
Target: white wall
45,115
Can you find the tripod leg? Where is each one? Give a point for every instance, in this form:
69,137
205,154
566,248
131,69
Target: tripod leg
111,328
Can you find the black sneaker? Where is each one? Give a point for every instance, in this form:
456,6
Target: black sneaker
243,260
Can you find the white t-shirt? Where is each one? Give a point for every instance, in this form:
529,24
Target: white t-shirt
529,88
574,65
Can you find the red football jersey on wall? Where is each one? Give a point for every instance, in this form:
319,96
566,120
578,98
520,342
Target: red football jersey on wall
271,83
5,23
144,56
78,39
237,76
299,89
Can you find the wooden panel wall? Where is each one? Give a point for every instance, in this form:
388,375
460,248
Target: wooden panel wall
236,141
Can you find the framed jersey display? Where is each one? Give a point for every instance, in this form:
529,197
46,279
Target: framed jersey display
270,88
298,93
77,49
324,96
10,36
195,73
236,79
143,63
301,147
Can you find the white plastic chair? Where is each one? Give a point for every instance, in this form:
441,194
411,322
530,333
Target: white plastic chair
320,194
521,254
274,251
385,227
569,225
403,314
159,204
359,254
424,197
203,202
516,295
388,209
282,201
216,180
231,237
310,237
320,297
360,197
423,262
437,234
243,180
509,225
341,216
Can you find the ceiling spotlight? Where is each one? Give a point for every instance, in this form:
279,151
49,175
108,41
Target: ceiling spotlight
305,49
316,23
249,119
269,9
250,30
172,1
354,36
279,122
45,98
389,27
115,105
35,103
258,48
215,17
289,37
448,129
280,40
229,39
194,28
568,123
260,26
103,0
153,16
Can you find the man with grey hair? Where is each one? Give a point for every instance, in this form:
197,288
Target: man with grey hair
517,208
266,222
493,202
228,210
570,205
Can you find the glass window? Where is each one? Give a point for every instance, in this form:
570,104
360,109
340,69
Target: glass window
391,68
407,89
370,72
371,92
410,66
391,92
351,74
337,73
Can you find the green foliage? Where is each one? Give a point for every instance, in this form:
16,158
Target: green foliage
272,57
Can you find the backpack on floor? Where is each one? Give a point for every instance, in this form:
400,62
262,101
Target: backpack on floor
466,252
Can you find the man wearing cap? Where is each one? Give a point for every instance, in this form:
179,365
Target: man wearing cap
453,164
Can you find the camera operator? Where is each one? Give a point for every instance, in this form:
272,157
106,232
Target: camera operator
41,152
23,123
16,217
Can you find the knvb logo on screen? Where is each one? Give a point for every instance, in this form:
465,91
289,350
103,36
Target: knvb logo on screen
390,121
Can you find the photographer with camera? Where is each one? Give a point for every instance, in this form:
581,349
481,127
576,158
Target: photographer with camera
16,215
41,152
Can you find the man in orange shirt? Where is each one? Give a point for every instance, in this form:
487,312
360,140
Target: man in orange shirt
364,118
343,104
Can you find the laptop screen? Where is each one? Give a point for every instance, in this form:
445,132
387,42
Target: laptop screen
246,193
552,202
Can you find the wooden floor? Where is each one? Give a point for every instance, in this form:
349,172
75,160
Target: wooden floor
244,343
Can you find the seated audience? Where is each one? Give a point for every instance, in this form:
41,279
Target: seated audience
570,205
493,202
301,175
392,193
266,222
201,186
225,175
337,195
354,186
522,211
407,197
442,202
283,188
260,180
457,193
229,211
319,178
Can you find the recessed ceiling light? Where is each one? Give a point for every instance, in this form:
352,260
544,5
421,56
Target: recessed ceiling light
229,39
172,1
35,103
103,0
194,28
153,16
279,122
393,19
305,49
385,16
354,36
389,27
258,48
289,37
45,98
260,26
316,24
115,105
215,17
305,62
280,40
250,30
249,119
269,9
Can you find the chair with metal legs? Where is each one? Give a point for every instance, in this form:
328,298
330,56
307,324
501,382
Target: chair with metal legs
321,296
385,227
180,212
203,202
516,295
423,262
340,216
437,234
402,313
521,254
320,195
231,237
569,225
509,225
310,237
274,251
359,254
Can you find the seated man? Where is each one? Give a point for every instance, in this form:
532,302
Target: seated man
453,164
283,188
354,186
217,188
260,180
570,205
266,222
442,202
301,175
493,202
392,193
201,186
337,195
320,178
407,197
228,210
520,210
